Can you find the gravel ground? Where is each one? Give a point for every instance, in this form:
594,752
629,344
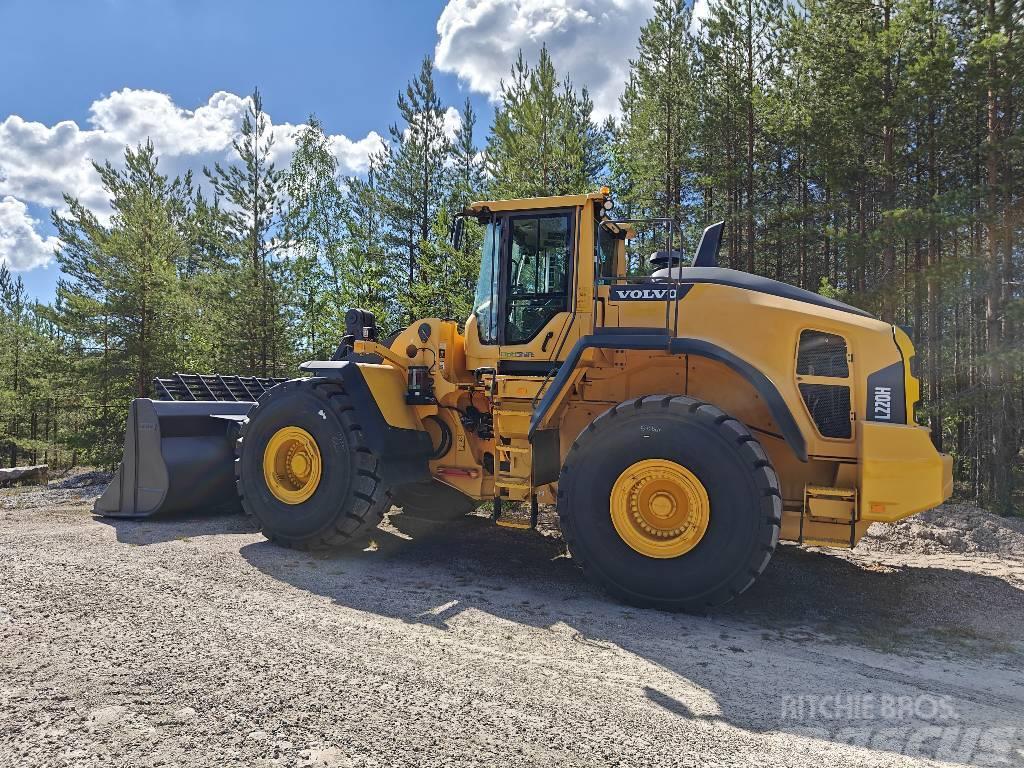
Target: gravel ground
194,642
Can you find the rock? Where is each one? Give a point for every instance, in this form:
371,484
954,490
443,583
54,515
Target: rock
331,757
106,715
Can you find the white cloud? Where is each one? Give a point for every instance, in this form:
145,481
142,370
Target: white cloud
354,156
452,122
21,247
39,162
701,14
591,40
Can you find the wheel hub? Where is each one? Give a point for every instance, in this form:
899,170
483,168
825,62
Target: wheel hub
659,508
291,465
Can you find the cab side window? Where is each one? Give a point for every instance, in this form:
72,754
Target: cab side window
538,274
604,246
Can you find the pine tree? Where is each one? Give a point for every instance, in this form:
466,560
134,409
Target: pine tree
30,359
313,230
414,177
468,171
255,325
120,294
369,282
449,273
13,342
655,135
544,140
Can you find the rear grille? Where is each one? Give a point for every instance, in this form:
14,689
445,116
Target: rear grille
829,407
822,354
195,386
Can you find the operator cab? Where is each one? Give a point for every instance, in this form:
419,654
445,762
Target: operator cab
531,272
547,266
525,269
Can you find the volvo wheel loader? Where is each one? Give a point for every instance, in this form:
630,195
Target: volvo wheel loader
683,421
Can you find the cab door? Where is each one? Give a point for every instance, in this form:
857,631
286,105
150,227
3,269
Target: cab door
536,287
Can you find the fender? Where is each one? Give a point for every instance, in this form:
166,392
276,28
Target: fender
642,338
403,453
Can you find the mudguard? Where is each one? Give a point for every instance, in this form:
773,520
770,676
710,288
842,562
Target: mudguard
652,339
398,439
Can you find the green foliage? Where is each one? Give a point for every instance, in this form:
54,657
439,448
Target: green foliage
313,230
120,296
257,335
544,140
414,179
651,154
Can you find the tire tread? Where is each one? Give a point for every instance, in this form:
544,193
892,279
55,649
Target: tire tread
368,505
748,448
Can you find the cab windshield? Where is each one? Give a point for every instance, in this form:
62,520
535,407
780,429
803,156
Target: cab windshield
484,308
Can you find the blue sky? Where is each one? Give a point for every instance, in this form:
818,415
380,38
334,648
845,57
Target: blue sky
85,77
343,60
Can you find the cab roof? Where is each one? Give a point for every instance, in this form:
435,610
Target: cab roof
537,203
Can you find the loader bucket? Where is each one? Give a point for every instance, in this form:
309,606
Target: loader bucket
177,456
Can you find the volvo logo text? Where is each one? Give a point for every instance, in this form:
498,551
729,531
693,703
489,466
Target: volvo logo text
642,293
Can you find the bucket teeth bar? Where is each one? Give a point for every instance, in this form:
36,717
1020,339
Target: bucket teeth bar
197,386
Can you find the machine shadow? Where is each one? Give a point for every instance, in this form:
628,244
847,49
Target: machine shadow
803,600
157,530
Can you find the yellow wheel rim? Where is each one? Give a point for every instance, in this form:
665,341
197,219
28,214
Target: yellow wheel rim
660,508
291,465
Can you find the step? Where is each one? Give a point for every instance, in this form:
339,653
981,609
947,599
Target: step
514,524
517,489
830,504
831,543
513,449
819,491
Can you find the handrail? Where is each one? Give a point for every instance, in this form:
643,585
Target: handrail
670,327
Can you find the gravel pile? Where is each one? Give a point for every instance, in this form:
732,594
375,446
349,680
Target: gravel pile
85,479
950,528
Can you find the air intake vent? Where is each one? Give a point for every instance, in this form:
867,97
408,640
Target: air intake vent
822,354
829,406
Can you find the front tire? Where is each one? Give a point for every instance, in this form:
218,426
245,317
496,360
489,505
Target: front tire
303,469
668,502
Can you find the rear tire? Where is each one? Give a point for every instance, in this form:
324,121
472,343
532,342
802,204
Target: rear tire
742,495
349,499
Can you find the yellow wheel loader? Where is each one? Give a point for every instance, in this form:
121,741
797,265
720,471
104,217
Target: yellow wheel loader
683,421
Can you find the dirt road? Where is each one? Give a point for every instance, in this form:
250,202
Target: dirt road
195,642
